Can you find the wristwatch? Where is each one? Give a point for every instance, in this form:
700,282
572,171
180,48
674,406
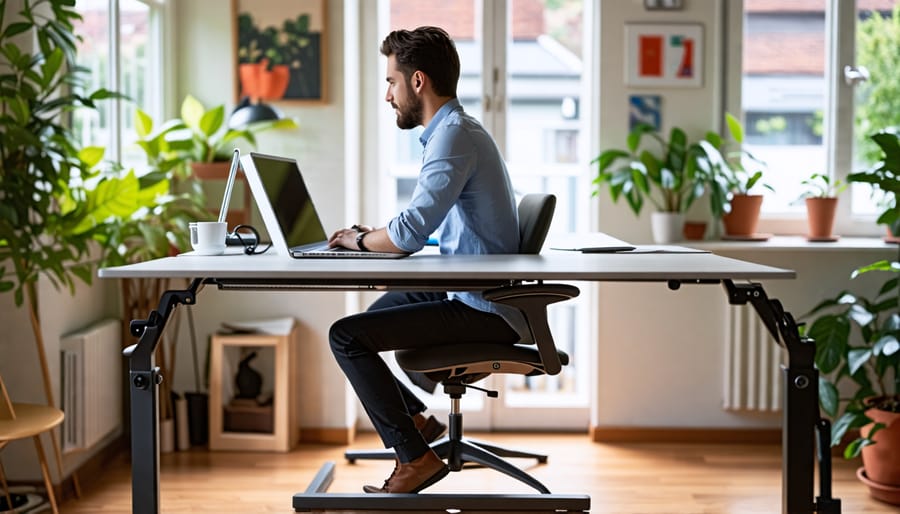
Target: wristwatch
359,242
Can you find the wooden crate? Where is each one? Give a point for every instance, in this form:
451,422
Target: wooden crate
224,355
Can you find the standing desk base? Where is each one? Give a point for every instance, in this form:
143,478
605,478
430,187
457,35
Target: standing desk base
317,499
801,425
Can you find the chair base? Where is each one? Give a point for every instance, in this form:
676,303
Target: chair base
438,446
461,451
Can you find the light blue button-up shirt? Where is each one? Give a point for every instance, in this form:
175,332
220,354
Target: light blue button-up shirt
464,193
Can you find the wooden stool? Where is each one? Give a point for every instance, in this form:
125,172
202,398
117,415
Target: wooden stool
21,420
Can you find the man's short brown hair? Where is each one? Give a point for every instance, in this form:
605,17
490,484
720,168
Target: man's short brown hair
427,49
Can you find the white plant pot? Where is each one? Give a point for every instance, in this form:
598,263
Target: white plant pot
166,435
667,227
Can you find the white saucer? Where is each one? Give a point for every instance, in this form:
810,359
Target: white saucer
210,251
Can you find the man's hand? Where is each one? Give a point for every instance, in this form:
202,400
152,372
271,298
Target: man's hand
346,237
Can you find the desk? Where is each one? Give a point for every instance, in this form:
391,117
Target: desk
469,272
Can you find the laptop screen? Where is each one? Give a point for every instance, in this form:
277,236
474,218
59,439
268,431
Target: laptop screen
290,200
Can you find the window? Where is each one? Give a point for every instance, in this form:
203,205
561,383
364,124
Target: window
783,95
803,113
877,99
129,63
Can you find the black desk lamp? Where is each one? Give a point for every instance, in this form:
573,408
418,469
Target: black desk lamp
248,112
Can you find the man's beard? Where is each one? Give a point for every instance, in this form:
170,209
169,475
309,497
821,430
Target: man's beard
410,116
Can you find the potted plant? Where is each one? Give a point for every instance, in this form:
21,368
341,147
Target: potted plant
821,199
730,183
58,203
868,356
157,231
203,140
884,177
668,179
857,345
209,139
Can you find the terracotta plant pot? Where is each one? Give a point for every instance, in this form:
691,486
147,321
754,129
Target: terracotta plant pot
744,215
217,170
694,230
882,459
820,217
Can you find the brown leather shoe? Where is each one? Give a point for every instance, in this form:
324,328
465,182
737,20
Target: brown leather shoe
429,427
413,476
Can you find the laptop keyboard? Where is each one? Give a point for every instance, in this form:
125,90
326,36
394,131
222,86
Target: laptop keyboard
331,253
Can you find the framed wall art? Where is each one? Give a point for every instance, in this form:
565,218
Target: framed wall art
280,50
664,55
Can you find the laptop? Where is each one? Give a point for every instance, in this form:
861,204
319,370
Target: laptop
288,212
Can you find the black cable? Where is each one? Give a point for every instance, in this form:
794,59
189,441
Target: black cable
250,247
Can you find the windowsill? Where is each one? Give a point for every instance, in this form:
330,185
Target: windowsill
781,243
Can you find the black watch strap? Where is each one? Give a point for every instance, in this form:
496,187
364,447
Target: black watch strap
359,242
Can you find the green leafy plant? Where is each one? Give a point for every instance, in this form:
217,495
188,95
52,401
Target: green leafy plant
207,137
820,185
54,198
856,337
728,168
668,179
58,204
884,177
172,198
857,342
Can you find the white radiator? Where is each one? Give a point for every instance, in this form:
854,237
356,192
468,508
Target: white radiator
752,364
91,384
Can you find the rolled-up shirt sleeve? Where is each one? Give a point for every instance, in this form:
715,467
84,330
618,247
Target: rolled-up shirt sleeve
447,163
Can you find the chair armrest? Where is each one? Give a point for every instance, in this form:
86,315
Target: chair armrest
532,300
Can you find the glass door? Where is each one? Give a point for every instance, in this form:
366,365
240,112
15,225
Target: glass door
521,76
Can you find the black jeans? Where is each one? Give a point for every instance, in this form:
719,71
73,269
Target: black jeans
399,321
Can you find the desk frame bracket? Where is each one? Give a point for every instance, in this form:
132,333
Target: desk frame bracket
144,379
801,423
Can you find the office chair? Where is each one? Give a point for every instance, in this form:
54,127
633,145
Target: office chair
21,420
456,367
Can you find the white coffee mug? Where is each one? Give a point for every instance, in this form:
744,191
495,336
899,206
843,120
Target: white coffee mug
208,237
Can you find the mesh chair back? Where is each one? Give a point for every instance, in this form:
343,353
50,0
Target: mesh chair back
535,215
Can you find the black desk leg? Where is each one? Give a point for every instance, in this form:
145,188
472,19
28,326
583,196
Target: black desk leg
801,422
144,378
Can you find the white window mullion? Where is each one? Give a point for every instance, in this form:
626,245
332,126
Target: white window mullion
115,123
840,41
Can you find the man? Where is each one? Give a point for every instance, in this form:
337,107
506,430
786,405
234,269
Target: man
464,190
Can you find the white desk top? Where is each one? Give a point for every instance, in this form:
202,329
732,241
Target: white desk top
550,265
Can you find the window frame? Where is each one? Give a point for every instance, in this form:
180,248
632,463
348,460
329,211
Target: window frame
161,65
840,50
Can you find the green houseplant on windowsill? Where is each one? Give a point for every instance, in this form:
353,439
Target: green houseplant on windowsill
668,179
821,198
730,183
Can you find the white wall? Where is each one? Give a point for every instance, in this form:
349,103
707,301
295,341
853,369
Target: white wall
661,356
205,67
696,110
60,313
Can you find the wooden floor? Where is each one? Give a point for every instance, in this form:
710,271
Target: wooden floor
620,478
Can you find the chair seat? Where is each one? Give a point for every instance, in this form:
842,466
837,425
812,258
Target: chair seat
499,357
30,420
